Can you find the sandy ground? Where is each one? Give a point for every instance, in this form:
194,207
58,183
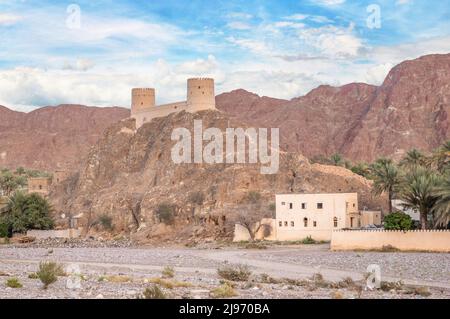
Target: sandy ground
198,268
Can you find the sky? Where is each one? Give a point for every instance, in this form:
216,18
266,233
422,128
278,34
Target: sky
93,52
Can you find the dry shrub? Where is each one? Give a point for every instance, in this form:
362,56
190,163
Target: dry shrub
234,272
224,291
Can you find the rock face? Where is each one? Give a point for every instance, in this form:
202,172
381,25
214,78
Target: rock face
52,137
130,172
409,110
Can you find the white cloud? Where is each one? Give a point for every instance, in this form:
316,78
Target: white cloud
329,2
9,19
79,65
238,25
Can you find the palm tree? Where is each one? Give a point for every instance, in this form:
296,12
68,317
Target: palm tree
413,158
440,158
419,192
441,208
386,177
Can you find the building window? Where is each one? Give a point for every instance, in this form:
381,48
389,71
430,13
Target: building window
314,223
285,224
303,205
354,205
283,203
290,206
335,222
40,186
280,224
292,224
319,205
305,222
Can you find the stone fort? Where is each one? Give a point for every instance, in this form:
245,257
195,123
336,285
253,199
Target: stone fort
200,96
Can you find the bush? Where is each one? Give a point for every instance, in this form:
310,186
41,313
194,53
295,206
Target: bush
154,292
106,222
168,272
234,272
27,211
197,198
48,273
4,229
398,221
253,197
13,283
308,241
224,291
166,213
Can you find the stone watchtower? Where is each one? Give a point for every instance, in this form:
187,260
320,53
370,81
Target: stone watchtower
200,94
142,99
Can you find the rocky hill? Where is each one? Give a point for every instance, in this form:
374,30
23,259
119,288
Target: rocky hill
409,110
52,137
129,174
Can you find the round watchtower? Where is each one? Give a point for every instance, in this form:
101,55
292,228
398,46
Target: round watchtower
142,99
200,94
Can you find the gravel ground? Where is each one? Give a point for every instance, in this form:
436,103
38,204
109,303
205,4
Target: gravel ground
198,268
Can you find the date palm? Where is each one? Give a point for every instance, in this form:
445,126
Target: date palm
413,158
440,158
419,192
387,178
441,208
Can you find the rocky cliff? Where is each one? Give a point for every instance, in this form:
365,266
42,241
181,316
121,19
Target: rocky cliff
129,173
52,137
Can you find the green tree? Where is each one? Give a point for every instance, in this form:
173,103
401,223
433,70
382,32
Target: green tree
9,183
361,169
419,192
413,158
387,178
28,211
398,221
441,209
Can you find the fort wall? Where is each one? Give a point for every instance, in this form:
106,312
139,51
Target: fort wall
200,96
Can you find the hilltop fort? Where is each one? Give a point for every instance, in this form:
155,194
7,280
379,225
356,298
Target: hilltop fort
200,96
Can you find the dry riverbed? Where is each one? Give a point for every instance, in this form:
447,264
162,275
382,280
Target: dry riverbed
277,272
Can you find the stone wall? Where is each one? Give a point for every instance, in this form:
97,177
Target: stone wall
241,233
64,233
415,240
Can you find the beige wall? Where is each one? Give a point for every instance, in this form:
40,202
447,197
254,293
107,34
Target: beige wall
290,224
369,217
39,185
158,111
428,240
200,94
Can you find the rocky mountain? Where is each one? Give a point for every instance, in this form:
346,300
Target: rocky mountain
129,174
409,110
52,137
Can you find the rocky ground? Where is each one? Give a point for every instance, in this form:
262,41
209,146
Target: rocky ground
276,272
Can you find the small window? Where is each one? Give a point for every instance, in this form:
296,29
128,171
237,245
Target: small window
142,103
291,205
335,222
303,205
199,87
319,205
285,224
40,186
283,203
354,205
305,222
292,224
280,224
314,223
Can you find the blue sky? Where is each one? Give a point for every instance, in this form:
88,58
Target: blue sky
277,48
